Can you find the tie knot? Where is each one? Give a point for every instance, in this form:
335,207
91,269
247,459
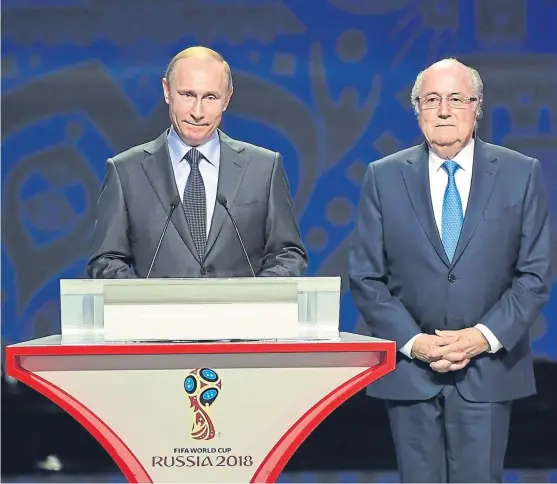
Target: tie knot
193,157
451,167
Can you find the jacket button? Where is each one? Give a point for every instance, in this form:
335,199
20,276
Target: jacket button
451,278
203,271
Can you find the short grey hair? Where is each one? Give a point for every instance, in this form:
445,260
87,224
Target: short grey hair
477,85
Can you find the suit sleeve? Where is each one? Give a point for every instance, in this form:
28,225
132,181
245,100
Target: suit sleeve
111,256
384,313
511,317
285,254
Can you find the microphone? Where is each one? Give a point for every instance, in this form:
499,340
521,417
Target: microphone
173,206
222,200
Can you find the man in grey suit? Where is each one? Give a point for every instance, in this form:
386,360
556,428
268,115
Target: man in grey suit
450,259
196,171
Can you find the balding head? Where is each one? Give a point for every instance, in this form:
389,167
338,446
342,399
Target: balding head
201,53
451,66
447,98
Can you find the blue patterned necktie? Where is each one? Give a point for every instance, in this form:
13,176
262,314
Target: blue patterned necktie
195,203
451,222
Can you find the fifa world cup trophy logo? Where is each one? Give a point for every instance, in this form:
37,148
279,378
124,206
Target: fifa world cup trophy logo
202,386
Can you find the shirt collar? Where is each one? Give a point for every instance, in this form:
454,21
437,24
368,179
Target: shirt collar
178,149
465,158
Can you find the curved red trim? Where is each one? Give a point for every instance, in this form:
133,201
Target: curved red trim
116,448
277,458
280,454
197,348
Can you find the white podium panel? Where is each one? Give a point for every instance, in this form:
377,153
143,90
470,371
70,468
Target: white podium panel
200,380
201,412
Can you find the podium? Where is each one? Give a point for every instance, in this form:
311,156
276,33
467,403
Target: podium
206,410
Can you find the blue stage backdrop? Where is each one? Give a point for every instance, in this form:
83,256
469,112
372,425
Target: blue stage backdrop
325,82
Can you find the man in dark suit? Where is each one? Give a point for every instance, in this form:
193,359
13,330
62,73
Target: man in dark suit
450,259
188,166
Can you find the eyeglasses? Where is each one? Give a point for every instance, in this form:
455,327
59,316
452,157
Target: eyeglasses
433,101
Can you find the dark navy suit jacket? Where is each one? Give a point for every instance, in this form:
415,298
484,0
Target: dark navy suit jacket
403,284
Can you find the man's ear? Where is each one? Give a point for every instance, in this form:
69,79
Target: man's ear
166,90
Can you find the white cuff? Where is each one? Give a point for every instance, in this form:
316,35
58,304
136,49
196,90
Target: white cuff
494,344
406,350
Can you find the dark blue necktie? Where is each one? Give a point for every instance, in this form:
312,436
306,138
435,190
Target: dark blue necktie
195,203
451,222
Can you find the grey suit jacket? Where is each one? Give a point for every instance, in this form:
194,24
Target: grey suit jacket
135,200
403,284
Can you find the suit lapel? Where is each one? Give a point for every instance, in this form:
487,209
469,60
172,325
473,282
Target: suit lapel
483,178
232,168
416,178
158,168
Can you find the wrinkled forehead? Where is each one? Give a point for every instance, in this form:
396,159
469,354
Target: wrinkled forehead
447,80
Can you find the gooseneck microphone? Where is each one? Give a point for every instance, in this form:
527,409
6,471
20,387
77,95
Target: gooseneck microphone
176,202
222,200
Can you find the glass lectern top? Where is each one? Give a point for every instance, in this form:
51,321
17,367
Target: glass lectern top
310,305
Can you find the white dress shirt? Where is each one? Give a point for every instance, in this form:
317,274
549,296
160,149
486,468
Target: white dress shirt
208,167
438,179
